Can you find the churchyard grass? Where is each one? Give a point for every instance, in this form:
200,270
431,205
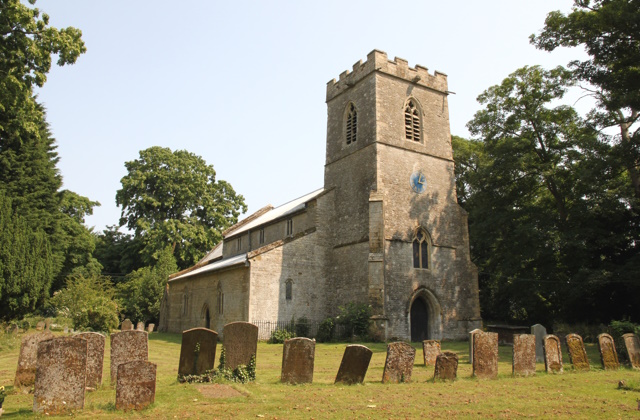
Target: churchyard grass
593,394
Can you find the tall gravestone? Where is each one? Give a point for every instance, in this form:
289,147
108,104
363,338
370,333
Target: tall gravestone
127,346
298,359
471,336
136,385
126,325
446,366
430,350
577,352
198,351
354,365
399,363
608,353
524,354
485,355
150,328
61,375
552,354
95,357
632,345
540,332
26,370
140,326
240,343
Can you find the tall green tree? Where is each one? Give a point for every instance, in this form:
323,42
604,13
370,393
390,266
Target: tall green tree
172,198
118,253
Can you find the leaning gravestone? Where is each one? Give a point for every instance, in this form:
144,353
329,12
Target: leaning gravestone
136,386
354,365
150,328
61,375
539,331
430,350
298,358
140,326
485,355
126,325
577,352
471,336
127,346
399,363
26,371
524,354
446,366
95,357
198,351
240,343
552,354
632,344
608,353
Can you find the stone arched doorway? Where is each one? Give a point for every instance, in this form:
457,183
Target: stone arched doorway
424,316
419,320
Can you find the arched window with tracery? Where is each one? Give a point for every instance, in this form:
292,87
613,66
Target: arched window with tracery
352,124
412,121
220,300
421,249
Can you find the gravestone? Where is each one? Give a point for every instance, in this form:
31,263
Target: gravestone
140,326
354,365
577,352
485,355
430,350
539,331
632,344
446,366
66,329
471,335
127,346
136,385
552,354
40,326
47,323
150,328
608,353
240,343
198,351
26,371
524,354
298,357
95,357
399,363
61,375
126,325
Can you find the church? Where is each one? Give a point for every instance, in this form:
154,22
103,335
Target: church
386,229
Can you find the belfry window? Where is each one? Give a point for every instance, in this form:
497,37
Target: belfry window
412,121
352,124
421,249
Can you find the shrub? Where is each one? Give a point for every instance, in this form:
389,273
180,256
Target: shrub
326,330
302,327
278,336
618,329
356,319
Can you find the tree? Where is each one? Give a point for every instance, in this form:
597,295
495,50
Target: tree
117,252
173,198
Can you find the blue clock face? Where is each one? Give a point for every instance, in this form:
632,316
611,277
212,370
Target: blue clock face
418,182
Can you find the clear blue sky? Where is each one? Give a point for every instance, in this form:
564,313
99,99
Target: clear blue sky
242,83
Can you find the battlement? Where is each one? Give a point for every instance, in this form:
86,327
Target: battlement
378,61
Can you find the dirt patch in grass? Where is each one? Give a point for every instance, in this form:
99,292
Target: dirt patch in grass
219,391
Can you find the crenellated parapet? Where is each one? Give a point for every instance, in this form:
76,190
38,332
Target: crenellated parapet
378,61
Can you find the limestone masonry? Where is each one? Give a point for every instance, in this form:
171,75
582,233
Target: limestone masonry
385,230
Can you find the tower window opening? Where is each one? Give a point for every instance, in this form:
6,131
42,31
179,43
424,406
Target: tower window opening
412,121
421,247
352,124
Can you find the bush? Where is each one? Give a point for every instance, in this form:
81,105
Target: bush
356,319
326,330
278,336
302,327
618,329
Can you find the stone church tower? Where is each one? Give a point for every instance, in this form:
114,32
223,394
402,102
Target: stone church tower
386,229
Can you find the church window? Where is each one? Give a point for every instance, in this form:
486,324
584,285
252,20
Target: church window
185,303
289,289
412,121
239,244
261,238
421,249
220,300
352,124
289,227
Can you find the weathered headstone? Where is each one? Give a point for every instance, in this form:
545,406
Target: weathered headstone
552,354
198,351
485,355
127,346
399,363
632,344
446,366
140,326
40,326
298,357
539,331
430,350
608,353
66,329
61,375
577,352
47,323
150,328
136,386
126,325
524,354
95,357
354,365
240,343
471,336
26,371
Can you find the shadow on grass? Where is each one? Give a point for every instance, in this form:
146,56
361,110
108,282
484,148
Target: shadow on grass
175,338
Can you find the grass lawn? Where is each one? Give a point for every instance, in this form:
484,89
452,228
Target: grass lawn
591,394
